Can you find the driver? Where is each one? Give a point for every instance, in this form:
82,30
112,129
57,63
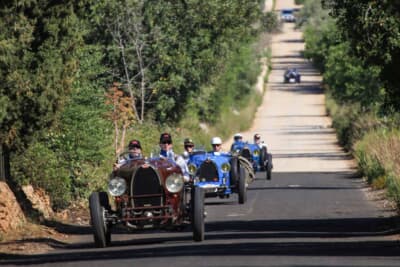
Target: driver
135,152
237,141
188,145
216,144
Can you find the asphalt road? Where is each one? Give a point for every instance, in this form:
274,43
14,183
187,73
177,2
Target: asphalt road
296,219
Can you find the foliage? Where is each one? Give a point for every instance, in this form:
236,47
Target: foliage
121,115
270,21
349,80
41,167
78,147
37,65
377,156
358,52
372,29
189,40
57,61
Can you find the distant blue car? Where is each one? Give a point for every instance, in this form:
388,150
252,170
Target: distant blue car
219,174
258,156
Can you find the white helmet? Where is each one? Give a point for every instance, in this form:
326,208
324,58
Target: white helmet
238,135
216,141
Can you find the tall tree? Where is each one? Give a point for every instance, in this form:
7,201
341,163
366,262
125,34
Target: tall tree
37,66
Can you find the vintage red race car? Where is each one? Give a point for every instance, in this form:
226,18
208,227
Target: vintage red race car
147,193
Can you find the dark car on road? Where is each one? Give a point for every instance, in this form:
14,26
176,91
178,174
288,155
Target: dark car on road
287,15
291,75
147,194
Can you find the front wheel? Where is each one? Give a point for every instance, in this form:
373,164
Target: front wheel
242,186
234,172
198,213
98,203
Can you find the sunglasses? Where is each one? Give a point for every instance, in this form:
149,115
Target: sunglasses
166,142
216,145
189,145
135,147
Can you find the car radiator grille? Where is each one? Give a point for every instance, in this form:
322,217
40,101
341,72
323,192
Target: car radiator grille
208,172
246,154
146,188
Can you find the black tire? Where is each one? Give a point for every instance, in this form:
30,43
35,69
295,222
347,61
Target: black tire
298,79
198,213
104,202
234,172
268,167
102,236
242,186
263,158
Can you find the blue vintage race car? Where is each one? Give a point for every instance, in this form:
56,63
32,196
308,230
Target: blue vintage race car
219,174
258,156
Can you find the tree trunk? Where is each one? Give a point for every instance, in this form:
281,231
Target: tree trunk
4,163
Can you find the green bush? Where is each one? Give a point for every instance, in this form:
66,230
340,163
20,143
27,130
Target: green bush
41,167
270,22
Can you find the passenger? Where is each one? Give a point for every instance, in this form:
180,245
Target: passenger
257,141
167,152
188,145
135,152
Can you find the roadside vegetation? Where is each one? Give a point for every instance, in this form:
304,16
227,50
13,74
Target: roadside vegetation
357,48
81,78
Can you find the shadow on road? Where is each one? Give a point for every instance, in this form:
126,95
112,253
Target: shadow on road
250,248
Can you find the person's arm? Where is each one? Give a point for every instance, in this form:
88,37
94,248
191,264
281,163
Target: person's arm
180,161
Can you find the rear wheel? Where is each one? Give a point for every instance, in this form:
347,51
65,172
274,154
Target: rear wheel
263,158
98,204
268,167
242,186
198,213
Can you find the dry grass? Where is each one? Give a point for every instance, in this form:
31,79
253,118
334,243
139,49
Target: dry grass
378,157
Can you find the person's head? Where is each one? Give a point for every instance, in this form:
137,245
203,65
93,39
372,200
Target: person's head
134,147
188,145
238,137
257,138
165,141
216,143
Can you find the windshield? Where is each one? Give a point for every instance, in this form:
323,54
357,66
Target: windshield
287,12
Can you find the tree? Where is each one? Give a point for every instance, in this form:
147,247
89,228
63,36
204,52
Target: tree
121,115
372,29
37,66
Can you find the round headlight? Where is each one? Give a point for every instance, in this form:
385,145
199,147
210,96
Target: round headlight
192,169
116,186
226,167
256,153
174,183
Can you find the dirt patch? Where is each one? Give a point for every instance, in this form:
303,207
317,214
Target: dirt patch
31,238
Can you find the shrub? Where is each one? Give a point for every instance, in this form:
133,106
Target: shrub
270,22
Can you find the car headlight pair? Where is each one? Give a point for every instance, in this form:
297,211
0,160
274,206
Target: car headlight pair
117,186
174,183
